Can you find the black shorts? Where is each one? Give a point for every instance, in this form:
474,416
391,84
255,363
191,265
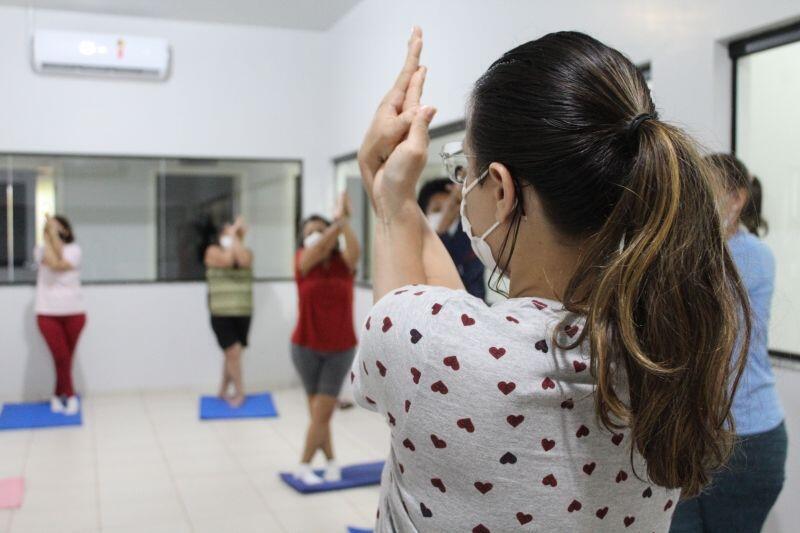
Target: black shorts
230,330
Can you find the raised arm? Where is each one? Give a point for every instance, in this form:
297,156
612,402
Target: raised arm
352,249
391,159
53,252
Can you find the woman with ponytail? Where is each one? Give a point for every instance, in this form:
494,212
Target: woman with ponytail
601,388
743,492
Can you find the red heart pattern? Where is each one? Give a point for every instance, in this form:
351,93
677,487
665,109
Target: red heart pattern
497,353
439,484
400,292
352,376
437,442
480,528
524,518
508,459
483,488
439,387
515,420
452,362
506,387
466,423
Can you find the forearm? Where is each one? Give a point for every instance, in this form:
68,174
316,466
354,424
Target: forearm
439,267
351,244
240,255
398,251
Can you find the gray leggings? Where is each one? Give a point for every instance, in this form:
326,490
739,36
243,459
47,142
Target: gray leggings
322,372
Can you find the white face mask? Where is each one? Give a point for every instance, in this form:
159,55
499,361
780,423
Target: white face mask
311,239
434,219
226,241
478,242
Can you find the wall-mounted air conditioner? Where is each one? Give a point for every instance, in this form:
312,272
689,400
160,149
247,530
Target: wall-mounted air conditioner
100,54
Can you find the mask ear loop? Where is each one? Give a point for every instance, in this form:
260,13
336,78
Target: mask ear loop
518,216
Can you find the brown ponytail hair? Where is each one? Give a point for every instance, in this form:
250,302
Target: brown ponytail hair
663,302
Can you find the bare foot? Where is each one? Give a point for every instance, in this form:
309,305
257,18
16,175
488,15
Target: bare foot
235,401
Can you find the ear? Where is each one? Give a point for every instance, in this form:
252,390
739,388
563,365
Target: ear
504,191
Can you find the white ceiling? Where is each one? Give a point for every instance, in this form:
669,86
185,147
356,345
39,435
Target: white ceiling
297,14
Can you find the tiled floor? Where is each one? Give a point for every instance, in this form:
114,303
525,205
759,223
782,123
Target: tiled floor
144,463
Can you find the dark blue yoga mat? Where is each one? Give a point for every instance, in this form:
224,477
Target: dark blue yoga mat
254,406
352,529
34,415
352,476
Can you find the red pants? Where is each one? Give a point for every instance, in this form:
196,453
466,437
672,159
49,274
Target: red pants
61,334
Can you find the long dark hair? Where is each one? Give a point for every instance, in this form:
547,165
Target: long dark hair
68,235
733,175
573,119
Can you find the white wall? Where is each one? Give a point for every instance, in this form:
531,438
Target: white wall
235,91
462,37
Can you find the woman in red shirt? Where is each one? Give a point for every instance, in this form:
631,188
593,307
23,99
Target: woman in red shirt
323,343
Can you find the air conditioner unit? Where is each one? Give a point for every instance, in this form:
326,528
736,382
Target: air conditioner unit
100,54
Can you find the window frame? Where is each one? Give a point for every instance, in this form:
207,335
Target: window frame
737,49
5,225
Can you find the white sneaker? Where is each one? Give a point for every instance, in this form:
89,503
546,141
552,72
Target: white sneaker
305,474
73,406
332,472
55,405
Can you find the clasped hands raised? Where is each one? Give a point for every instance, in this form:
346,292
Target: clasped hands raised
395,148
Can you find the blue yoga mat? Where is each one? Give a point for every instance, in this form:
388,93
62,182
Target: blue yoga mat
34,415
254,406
352,476
352,529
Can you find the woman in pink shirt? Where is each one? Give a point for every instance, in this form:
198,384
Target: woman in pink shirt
60,311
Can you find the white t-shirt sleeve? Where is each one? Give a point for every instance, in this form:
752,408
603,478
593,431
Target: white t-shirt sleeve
71,253
38,254
393,348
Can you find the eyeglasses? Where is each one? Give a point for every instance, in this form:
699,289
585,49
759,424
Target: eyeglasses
455,161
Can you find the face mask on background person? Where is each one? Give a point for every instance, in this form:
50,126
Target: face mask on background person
311,239
434,219
226,241
478,242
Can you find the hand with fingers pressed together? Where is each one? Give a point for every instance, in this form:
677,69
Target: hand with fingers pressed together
394,150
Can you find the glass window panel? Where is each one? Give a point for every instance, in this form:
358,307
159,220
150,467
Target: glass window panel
767,140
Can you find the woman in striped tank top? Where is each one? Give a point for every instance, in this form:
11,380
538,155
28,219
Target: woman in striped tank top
230,302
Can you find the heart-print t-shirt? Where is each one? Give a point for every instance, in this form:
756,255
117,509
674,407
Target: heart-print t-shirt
493,425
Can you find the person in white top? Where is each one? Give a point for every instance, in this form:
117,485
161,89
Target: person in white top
600,388
60,311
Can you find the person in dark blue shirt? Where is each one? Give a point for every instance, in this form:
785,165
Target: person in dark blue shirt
440,200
